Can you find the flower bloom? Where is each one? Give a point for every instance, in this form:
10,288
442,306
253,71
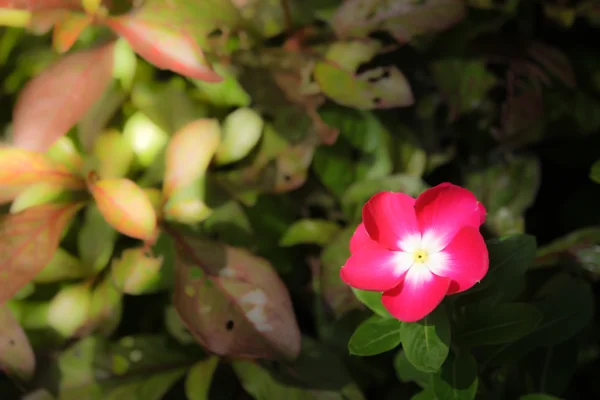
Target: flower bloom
418,251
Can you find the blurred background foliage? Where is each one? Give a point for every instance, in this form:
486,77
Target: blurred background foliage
283,117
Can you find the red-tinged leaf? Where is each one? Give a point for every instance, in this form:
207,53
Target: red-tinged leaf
189,152
233,302
553,61
60,96
168,33
68,29
19,168
40,5
16,355
403,19
126,207
28,241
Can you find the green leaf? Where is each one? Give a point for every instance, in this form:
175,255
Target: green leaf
96,239
510,257
553,368
407,372
336,293
457,380
567,308
310,231
262,386
144,367
595,172
199,378
503,323
507,190
373,301
227,93
362,132
425,394
16,355
539,396
426,343
375,335
359,192
464,83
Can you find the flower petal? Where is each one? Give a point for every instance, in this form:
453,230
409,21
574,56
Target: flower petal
417,296
444,209
390,220
465,260
375,268
361,238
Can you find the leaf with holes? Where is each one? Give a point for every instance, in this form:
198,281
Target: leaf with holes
189,152
20,168
403,19
29,240
233,302
382,87
16,355
170,34
55,100
126,207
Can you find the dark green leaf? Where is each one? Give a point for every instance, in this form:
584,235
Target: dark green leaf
426,343
510,257
538,396
375,335
595,172
457,379
500,324
553,367
567,309
406,372
464,83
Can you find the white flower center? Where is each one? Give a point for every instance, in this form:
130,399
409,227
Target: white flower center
422,251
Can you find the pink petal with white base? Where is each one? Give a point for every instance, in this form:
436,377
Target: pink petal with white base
417,296
390,219
465,260
360,239
375,268
444,209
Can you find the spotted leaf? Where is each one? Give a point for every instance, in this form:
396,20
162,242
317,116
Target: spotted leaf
233,302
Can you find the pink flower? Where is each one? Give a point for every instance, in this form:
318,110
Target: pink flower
418,251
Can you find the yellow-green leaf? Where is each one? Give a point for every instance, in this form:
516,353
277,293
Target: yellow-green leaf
189,152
